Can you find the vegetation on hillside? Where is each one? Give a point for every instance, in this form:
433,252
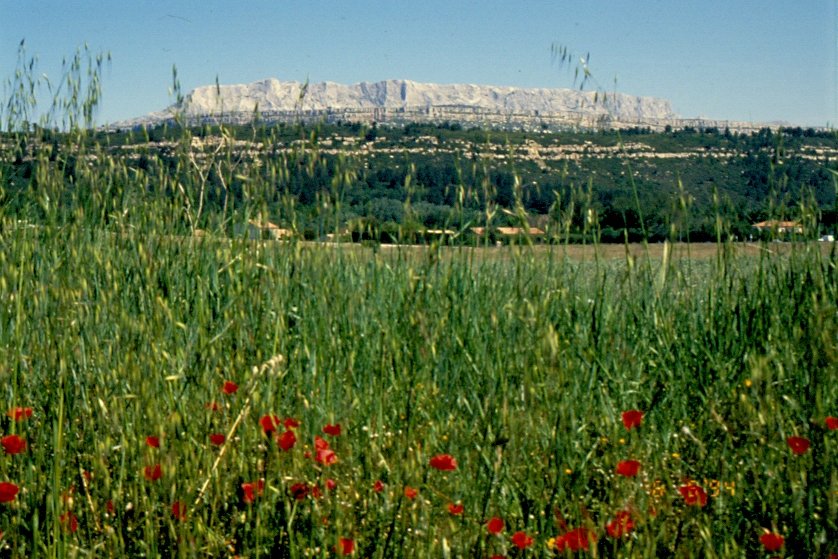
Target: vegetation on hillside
638,183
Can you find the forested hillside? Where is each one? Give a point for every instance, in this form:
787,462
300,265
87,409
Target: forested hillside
390,182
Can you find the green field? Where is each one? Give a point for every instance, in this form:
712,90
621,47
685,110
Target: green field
172,388
518,367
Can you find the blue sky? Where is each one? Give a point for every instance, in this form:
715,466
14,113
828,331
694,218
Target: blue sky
763,60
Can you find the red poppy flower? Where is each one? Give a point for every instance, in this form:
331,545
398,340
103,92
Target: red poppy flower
269,423
331,484
622,525
19,413
320,443
378,486
628,468
456,510
346,546
693,495
410,492
153,442
300,491
110,508
229,387
8,491
772,541
291,423
153,473
831,423
212,406
179,511
325,456
521,540
333,430
69,521
575,540
217,438
286,440
495,525
632,418
444,462
13,444
798,445
251,490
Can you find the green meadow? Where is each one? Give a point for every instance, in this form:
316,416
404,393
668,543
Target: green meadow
519,368
173,388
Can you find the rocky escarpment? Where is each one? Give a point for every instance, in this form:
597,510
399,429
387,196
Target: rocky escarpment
402,101
403,95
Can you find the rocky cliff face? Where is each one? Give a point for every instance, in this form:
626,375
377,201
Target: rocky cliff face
402,101
399,95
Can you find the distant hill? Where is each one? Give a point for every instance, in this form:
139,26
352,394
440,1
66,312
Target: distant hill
640,184
404,101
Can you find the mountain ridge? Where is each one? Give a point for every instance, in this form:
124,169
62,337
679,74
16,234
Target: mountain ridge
273,94
399,102
407,100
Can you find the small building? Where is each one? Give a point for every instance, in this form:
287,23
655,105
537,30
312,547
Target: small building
501,235
517,231
776,226
267,231
508,231
437,235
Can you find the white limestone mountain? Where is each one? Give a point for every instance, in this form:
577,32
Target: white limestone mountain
274,95
402,101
